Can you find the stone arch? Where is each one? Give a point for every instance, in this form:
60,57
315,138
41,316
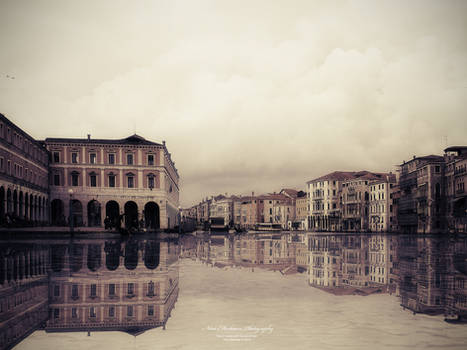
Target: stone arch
94,213
112,255
77,212
15,202
9,201
152,254
21,204
58,214
57,258
112,211
131,255
131,215
2,203
152,215
94,257
76,257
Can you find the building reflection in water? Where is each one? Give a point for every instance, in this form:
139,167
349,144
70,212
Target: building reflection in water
64,285
428,274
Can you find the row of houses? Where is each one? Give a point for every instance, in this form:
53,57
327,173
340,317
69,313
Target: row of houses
426,272
424,195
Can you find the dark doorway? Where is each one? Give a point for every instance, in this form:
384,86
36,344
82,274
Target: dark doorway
77,212
152,215
131,215
94,213
58,217
112,211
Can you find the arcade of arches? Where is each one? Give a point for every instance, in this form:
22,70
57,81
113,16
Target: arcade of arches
18,205
129,215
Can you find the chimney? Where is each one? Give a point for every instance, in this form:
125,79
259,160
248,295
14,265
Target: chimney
89,137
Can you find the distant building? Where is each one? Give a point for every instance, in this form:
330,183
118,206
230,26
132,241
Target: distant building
456,178
380,203
301,210
422,203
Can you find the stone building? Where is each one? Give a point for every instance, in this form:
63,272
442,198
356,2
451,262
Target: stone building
380,206
93,286
456,178
422,203
23,177
23,290
130,178
301,210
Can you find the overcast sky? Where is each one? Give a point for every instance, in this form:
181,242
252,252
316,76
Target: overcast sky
249,95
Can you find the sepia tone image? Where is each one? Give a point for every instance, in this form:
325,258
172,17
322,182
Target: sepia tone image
260,174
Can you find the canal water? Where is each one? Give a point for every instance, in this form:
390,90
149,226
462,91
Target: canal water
259,291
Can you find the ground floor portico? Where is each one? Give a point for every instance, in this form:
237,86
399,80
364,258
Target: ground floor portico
110,210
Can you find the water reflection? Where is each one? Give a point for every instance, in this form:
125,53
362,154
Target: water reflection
427,274
64,285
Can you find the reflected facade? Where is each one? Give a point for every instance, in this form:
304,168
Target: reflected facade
65,285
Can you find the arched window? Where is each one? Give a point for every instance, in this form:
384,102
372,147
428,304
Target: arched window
151,181
75,178
130,180
93,179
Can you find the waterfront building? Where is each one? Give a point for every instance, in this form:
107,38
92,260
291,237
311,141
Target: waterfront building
301,210
456,178
394,196
93,286
422,203
355,261
324,204
102,178
24,177
378,248
221,211
325,261
380,205
23,290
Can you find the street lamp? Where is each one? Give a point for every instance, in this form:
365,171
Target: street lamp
179,220
70,192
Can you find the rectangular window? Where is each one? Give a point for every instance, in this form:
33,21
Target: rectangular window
74,179
111,158
92,158
56,313
150,310
129,311
129,159
111,180
131,288
93,179
93,290
131,183
1,164
112,311
92,312
56,157
8,169
74,291
150,159
111,289
74,313
151,181
56,291
74,157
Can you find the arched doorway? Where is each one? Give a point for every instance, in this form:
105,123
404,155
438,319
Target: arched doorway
131,255
112,211
131,215
152,215
15,203
112,255
2,204
58,217
77,211
21,204
9,202
152,254
94,213
94,257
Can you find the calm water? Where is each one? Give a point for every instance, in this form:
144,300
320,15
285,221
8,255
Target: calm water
253,291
